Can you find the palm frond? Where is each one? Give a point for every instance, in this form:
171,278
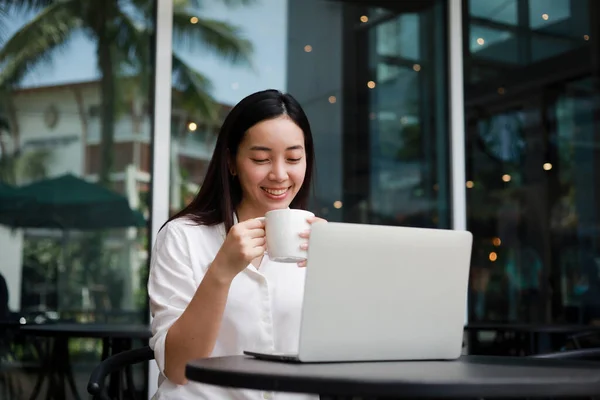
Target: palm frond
143,9
221,38
25,6
132,40
3,19
131,55
192,91
36,42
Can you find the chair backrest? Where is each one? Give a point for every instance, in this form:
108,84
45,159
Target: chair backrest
116,363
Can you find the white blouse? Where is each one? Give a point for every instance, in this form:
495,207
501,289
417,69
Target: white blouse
262,311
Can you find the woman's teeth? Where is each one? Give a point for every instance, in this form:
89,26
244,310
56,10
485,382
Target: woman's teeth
275,192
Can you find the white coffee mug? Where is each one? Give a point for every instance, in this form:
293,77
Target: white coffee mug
283,228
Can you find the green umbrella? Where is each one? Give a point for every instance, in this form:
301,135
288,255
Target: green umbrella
67,202
9,197
5,189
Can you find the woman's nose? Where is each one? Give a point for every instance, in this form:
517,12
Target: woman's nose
278,172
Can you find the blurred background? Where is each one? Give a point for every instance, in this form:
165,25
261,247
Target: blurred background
89,171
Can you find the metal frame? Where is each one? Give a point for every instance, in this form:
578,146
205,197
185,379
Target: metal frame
161,142
457,116
457,120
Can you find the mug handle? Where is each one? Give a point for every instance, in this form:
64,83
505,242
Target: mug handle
264,220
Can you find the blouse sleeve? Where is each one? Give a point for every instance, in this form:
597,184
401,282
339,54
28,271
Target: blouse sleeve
171,285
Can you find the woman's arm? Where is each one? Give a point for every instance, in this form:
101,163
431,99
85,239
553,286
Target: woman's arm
187,319
194,334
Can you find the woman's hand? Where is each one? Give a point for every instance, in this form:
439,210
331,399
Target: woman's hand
244,242
306,235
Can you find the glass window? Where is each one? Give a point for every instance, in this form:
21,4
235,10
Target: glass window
544,13
404,120
367,78
222,53
493,44
75,134
396,37
532,168
374,88
501,11
505,35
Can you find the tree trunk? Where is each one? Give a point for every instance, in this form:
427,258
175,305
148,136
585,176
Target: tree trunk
107,90
5,169
14,124
9,156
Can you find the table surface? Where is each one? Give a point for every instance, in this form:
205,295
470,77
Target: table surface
469,376
94,330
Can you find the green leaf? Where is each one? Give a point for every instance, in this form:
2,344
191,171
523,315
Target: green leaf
132,42
192,91
25,6
221,38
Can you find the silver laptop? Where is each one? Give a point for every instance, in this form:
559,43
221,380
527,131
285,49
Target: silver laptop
376,293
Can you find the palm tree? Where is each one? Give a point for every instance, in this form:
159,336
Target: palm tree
122,31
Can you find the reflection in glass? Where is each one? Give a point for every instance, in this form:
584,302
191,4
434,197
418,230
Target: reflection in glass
396,37
502,11
507,34
214,49
75,134
482,38
406,170
544,13
532,167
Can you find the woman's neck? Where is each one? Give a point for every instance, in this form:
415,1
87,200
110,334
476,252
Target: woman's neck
245,213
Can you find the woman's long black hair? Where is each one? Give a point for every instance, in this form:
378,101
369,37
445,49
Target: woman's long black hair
221,193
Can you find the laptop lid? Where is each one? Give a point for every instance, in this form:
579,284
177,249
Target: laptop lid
384,293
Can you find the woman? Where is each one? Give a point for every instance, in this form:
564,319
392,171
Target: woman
213,290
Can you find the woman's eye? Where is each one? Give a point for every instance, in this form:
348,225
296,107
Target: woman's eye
294,159
258,161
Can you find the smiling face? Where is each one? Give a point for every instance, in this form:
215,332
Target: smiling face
270,165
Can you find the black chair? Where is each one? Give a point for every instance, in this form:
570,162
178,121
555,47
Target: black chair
591,354
119,367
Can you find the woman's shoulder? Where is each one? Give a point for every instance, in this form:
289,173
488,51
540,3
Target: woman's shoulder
187,227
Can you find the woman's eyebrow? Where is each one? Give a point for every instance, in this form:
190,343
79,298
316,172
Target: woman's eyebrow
263,148
260,148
